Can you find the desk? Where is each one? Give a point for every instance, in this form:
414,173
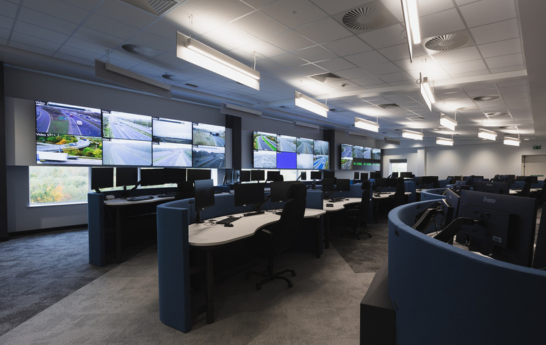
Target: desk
208,236
337,206
516,191
380,197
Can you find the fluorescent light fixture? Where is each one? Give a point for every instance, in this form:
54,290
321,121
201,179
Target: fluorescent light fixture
447,122
412,134
426,91
304,124
200,54
136,76
512,141
357,134
243,109
411,20
310,104
366,124
444,141
487,134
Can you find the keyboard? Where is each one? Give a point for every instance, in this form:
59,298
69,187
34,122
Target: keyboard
227,220
336,199
140,198
167,195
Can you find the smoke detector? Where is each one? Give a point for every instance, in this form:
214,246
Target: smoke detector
448,42
156,7
139,50
367,17
486,98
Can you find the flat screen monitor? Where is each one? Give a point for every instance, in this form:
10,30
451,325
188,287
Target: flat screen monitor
126,152
329,174
257,175
316,175
118,125
273,175
346,156
394,175
171,131
356,175
452,200
363,176
248,194
286,143
492,187
66,119
391,182
68,149
328,185
343,185
376,154
358,152
208,157
204,194
367,153
174,175
321,162
263,141
380,182
321,148
152,177
126,176
305,161
406,174
265,159
304,146
279,191
534,179
375,174
209,135
198,174
287,160
102,178
303,176
245,176
171,155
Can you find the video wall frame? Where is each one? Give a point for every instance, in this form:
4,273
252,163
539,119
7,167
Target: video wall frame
355,157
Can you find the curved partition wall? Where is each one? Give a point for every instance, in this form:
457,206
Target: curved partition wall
433,194
446,295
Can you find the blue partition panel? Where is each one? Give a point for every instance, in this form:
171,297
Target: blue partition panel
442,183
410,187
433,194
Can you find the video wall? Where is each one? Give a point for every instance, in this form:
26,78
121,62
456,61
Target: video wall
275,151
355,157
75,135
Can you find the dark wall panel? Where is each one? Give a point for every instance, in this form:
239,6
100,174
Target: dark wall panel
3,171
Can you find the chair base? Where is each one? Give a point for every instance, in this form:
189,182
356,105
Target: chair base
269,277
355,233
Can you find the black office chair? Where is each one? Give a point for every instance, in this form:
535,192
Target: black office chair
541,194
435,184
185,191
357,214
526,191
400,194
271,242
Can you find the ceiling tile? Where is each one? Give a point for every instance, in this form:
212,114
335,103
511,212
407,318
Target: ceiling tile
33,41
307,70
46,21
316,53
354,73
347,46
505,61
259,25
324,30
227,37
500,48
385,37
400,52
4,41
441,23
97,37
199,23
36,31
383,68
157,43
367,81
268,66
289,41
91,47
427,7
487,12
30,48
294,13
6,22
4,33
58,9
258,3
395,77
335,64
470,73
109,26
288,60
496,32
508,69
125,13
79,53
85,4
166,29
333,7
458,55
463,67
365,59
225,10
262,49
8,9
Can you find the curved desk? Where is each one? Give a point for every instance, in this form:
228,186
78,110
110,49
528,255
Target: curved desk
336,206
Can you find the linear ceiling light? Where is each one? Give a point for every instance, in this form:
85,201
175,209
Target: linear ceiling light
366,124
447,122
411,20
426,91
487,134
512,141
444,141
412,134
310,104
199,54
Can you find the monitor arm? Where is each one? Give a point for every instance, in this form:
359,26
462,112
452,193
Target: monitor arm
257,208
127,193
454,227
327,196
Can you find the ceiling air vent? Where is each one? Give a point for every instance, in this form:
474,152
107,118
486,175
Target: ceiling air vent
448,42
156,7
325,77
496,114
415,118
139,50
368,17
388,106
486,98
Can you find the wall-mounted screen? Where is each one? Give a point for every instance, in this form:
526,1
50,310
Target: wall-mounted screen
172,131
287,160
355,157
358,152
321,162
264,141
208,156
305,146
346,162
376,154
367,153
209,135
305,161
68,149
265,159
320,147
286,143
58,118
126,152
118,125
171,155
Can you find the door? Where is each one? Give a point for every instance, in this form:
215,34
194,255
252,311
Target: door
534,165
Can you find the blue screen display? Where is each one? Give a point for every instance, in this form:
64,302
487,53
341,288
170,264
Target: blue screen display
286,160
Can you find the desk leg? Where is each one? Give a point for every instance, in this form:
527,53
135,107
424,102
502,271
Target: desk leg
327,232
119,227
319,235
210,287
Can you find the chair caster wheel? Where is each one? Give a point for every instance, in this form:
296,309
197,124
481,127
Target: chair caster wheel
258,287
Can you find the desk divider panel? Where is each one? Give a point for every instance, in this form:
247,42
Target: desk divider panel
95,211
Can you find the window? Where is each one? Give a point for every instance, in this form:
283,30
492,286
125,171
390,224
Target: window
58,185
398,167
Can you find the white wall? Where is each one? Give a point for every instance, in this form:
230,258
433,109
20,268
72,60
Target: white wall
410,154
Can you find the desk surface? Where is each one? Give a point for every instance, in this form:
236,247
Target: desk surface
206,234
125,202
385,195
516,191
337,206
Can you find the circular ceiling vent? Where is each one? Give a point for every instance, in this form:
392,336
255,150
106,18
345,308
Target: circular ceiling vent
447,42
139,50
365,18
485,98
496,114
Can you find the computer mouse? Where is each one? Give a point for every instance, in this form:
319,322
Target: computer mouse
228,225
329,205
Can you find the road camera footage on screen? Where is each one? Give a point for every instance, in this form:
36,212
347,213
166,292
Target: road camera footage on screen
127,152
209,135
171,155
68,149
320,155
286,143
65,119
346,157
208,156
118,125
172,131
305,146
265,141
265,159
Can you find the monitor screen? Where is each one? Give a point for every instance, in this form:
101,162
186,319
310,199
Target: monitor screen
102,178
405,174
245,176
329,174
376,154
198,174
204,194
321,162
358,152
265,159
279,191
328,184
208,157
303,176
257,175
346,162
394,174
152,177
286,143
305,161
363,176
316,175
118,125
273,175
492,187
171,155
305,146
126,176
287,160
343,185
356,176
68,149
264,141
321,147
209,135
175,175
126,152
171,131
248,194
367,153
65,119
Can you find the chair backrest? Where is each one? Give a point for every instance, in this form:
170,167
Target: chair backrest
287,230
400,194
526,191
365,202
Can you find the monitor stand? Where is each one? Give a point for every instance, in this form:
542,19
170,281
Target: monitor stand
97,190
257,210
198,219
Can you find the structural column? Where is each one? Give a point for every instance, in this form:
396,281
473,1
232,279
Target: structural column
3,171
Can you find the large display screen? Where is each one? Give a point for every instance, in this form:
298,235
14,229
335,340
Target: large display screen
286,143
118,125
63,119
305,161
265,159
354,157
209,135
376,154
68,149
171,155
264,141
321,162
172,131
287,160
305,146
208,156
320,147
126,152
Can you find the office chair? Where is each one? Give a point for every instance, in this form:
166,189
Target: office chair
185,191
357,215
400,194
271,242
541,194
526,191
279,178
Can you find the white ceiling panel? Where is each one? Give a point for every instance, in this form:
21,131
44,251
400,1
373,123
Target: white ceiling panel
427,7
458,55
6,23
258,3
307,70
316,53
225,10
333,7
468,66
508,69
79,53
31,48
348,46
58,9
8,9
109,26
505,61
259,25
38,32
383,68
97,37
487,12
268,66
180,17
289,41
324,30
85,4
4,33
396,77
470,73
367,81
288,60
125,13
353,73
441,23
496,32
227,37
294,13
46,21
262,49
157,43
500,48
335,64
34,41
385,37
365,59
